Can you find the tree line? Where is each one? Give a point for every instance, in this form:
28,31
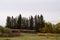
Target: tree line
32,23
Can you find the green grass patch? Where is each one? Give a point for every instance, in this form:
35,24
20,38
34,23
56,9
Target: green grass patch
31,36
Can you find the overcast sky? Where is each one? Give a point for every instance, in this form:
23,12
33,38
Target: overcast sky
49,8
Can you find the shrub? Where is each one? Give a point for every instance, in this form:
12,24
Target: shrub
4,30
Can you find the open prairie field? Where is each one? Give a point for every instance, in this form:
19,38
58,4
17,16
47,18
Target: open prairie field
30,36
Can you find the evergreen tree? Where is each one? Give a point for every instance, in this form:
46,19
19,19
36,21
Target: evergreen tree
12,22
39,23
42,23
8,22
36,28
31,22
15,24
27,24
19,22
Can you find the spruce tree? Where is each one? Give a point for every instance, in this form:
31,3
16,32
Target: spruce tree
42,23
31,22
19,22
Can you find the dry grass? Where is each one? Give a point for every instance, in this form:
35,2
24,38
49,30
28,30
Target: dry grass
48,34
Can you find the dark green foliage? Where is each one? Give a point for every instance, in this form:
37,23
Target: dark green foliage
24,23
8,22
31,22
39,22
35,23
15,24
42,23
36,27
58,27
4,30
12,22
19,22
48,27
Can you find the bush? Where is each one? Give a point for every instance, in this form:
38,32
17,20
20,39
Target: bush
4,30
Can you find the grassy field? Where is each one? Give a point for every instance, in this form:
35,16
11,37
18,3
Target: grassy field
30,36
